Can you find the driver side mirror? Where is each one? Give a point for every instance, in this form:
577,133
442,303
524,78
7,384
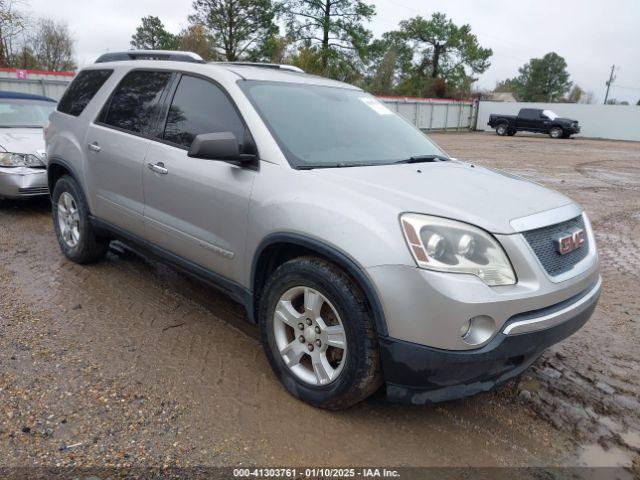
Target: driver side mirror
218,146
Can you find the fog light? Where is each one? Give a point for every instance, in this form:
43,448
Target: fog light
477,330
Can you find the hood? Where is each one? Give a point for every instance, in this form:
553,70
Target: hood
22,140
452,189
565,120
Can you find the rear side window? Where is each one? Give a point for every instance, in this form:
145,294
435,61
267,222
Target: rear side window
135,102
199,106
529,114
81,91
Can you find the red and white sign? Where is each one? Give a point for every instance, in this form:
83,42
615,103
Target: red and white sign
21,74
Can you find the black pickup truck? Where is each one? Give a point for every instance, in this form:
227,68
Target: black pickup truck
534,120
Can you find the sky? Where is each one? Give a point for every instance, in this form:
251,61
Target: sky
592,35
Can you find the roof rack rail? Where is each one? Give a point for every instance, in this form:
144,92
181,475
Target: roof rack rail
275,66
170,55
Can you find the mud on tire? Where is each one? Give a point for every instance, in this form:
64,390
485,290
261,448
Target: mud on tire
360,375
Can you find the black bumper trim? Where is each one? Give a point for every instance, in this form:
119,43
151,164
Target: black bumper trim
419,374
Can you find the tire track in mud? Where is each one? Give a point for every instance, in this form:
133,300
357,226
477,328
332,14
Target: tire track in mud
620,179
114,311
618,240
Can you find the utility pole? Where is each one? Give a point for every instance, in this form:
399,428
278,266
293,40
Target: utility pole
611,79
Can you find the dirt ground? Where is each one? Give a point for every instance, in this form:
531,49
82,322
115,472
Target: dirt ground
128,363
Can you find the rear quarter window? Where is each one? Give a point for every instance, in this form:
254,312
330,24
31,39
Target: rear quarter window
135,103
82,90
529,114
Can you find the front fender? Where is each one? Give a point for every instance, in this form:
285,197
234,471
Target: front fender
298,202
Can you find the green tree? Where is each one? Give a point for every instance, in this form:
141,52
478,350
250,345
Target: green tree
276,49
333,29
638,102
435,56
543,79
388,58
151,35
383,80
239,29
195,39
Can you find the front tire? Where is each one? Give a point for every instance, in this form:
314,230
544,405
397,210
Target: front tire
74,231
556,132
318,334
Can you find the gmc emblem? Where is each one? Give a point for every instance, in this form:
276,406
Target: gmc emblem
569,241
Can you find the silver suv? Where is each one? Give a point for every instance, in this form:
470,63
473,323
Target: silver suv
365,253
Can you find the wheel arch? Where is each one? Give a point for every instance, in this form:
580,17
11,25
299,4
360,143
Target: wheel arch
278,248
56,168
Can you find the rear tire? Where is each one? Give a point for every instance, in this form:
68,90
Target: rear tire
502,129
511,133
76,236
556,132
297,329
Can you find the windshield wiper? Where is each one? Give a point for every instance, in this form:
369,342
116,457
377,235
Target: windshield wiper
423,159
333,165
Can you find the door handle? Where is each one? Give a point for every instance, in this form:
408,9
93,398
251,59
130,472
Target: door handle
158,168
94,146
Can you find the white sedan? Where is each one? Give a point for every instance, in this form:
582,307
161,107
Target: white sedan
22,151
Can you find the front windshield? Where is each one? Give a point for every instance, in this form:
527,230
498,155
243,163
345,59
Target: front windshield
318,126
20,113
550,114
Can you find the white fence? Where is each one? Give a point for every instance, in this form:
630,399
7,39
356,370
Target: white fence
433,114
616,122
37,82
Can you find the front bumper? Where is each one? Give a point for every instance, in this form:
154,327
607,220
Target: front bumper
21,182
419,374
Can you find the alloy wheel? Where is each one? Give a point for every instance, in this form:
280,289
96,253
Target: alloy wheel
310,336
68,219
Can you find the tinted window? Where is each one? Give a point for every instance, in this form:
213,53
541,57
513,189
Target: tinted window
200,107
135,103
81,91
529,114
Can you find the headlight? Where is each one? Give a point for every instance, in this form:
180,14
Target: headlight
449,246
8,159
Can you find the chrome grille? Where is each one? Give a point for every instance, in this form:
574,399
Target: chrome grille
542,242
